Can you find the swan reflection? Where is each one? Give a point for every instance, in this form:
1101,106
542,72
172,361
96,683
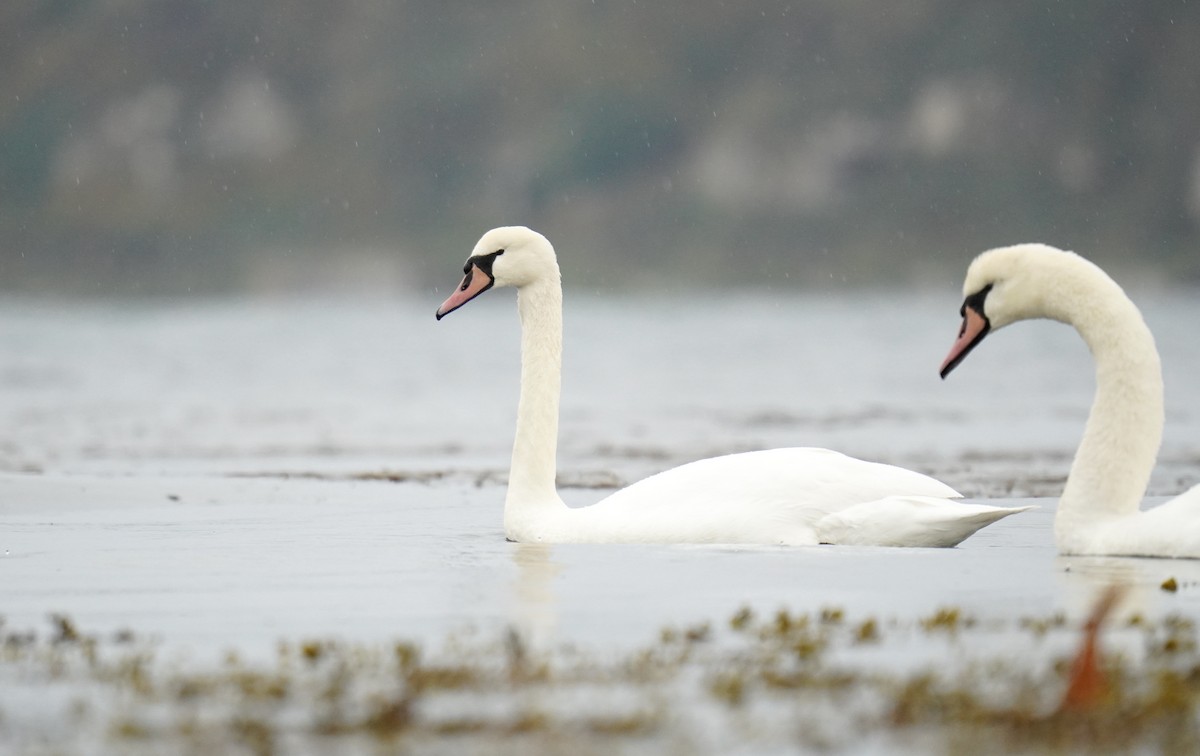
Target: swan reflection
535,610
1085,578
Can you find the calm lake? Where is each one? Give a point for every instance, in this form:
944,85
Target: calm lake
218,476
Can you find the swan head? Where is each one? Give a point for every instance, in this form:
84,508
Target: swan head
1005,285
505,256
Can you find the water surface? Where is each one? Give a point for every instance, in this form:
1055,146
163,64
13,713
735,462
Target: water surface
218,476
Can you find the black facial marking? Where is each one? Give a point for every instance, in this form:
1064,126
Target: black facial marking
484,262
975,302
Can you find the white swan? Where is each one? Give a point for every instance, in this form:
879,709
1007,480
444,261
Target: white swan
1098,512
782,496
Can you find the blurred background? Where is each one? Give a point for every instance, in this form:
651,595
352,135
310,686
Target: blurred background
263,147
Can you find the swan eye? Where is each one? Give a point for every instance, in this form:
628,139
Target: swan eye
975,301
484,262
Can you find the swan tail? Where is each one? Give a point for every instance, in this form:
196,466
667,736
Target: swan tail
921,521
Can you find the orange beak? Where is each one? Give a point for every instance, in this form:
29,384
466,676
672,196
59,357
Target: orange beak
974,327
474,283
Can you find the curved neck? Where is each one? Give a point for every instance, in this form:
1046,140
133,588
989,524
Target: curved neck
531,487
1124,429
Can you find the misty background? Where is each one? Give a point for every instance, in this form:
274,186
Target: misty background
260,147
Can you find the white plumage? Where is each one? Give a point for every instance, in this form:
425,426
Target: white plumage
791,496
1099,509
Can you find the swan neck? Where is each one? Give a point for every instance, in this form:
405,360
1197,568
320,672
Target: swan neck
1120,443
531,483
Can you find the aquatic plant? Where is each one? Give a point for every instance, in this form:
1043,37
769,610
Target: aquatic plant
954,683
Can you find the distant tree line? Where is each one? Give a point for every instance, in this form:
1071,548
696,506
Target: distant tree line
165,146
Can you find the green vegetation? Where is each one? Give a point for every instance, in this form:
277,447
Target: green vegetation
819,681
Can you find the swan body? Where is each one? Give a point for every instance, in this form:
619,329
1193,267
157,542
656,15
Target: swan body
794,496
1098,512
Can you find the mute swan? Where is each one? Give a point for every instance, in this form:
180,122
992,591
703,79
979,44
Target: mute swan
1098,512
782,496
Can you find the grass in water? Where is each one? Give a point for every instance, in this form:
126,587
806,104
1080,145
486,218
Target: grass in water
943,683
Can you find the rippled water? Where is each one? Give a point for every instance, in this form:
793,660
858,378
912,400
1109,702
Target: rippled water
648,383
222,475
345,390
